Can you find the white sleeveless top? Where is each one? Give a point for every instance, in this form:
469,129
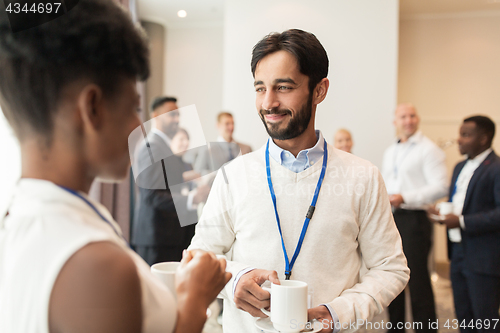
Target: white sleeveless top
46,225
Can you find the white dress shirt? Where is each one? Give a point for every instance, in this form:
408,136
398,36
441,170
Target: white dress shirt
415,169
461,186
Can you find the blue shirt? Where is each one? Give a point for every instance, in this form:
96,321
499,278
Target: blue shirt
305,158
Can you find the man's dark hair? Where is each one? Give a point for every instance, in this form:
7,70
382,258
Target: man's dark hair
96,41
304,46
484,125
159,101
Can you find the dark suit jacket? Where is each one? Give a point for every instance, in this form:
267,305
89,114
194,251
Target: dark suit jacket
156,221
481,236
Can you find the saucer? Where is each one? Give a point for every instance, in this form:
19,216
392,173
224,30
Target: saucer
265,325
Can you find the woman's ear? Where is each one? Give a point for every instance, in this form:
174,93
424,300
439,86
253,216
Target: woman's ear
320,91
91,107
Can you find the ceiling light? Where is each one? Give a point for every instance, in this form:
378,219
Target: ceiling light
182,13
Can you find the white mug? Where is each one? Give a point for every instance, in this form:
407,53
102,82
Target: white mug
445,208
165,271
288,305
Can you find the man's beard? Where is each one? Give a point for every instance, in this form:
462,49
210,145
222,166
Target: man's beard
170,129
296,126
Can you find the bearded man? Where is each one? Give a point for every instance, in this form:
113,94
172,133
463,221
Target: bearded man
256,210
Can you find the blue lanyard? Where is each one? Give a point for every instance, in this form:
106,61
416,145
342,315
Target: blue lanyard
95,210
310,211
450,199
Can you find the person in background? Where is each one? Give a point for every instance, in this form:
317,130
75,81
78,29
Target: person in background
157,232
474,228
180,144
70,97
414,171
225,127
222,151
242,217
343,140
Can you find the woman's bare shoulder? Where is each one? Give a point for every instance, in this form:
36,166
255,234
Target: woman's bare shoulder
97,290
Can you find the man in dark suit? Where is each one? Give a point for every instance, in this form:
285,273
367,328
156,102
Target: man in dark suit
474,229
157,232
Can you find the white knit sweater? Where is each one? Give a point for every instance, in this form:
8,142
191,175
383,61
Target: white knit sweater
352,221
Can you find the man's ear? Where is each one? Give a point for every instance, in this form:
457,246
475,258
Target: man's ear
320,91
91,107
483,139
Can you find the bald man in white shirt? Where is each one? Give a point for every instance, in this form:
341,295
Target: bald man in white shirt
415,174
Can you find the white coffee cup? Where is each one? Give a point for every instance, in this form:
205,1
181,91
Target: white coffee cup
165,271
445,208
288,305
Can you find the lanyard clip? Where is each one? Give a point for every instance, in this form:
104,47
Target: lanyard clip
287,275
310,212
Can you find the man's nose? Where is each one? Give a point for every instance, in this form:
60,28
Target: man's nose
270,100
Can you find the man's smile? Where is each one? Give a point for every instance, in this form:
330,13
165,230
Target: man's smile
275,117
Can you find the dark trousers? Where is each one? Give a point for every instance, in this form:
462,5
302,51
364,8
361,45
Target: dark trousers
416,231
156,254
476,296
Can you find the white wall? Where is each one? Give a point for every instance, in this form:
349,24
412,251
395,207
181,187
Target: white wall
450,69
10,167
193,73
361,39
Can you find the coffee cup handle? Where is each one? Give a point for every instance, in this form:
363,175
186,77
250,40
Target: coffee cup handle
267,313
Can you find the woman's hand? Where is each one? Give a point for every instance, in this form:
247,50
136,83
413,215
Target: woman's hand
202,276
190,175
199,279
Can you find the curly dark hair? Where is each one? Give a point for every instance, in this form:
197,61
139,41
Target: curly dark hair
96,40
304,46
484,125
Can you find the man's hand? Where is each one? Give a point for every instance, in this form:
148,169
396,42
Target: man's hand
432,211
396,200
321,314
249,296
450,220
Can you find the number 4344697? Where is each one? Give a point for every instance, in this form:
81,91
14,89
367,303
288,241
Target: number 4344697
39,8
473,324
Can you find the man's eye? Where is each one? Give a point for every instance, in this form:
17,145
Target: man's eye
259,89
283,88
